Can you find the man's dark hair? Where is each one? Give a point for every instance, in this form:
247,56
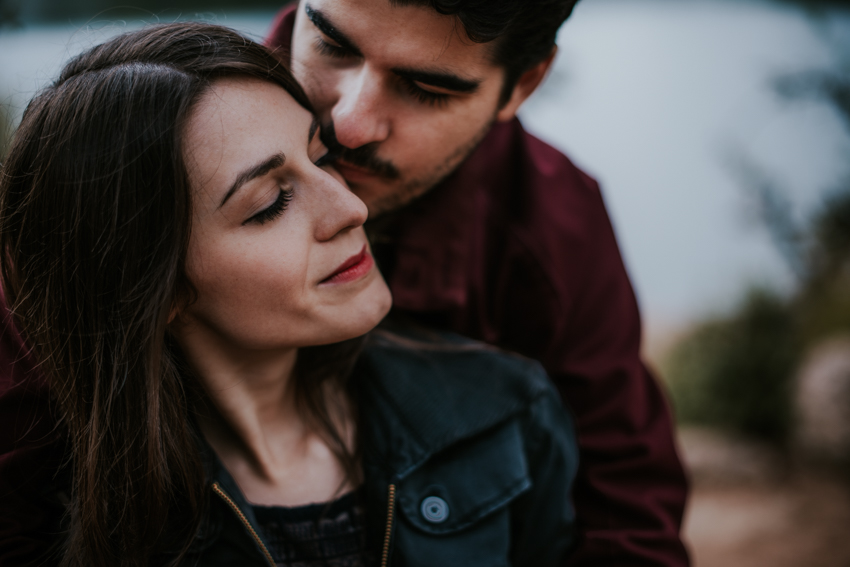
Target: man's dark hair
525,29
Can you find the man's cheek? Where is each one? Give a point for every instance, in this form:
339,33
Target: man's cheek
320,91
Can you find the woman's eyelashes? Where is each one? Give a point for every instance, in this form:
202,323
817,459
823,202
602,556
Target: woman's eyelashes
273,211
284,196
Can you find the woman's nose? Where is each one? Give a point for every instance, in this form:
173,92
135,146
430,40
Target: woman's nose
360,113
337,208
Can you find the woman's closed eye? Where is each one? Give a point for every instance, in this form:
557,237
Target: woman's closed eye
273,211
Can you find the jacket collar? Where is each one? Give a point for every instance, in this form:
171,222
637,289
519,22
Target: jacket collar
421,392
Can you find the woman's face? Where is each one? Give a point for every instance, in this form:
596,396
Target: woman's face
278,254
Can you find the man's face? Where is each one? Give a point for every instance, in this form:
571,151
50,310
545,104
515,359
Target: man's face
405,93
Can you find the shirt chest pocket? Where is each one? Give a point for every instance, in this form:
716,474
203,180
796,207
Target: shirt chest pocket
455,509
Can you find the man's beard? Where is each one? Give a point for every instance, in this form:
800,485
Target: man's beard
365,156
406,191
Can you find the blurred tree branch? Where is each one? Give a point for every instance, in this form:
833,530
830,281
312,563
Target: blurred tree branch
818,5
10,11
771,208
735,372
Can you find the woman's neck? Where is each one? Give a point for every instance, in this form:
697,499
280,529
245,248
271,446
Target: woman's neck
253,423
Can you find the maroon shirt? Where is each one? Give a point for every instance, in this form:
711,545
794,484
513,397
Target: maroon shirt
515,248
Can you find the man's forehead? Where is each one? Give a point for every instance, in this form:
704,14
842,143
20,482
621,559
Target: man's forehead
403,35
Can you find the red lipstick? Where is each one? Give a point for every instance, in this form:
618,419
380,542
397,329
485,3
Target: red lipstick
352,269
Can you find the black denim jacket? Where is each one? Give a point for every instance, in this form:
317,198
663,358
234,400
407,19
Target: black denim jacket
468,456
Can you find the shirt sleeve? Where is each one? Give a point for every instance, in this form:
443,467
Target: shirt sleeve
631,488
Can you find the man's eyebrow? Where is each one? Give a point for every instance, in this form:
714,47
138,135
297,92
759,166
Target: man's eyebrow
262,168
447,81
313,127
321,21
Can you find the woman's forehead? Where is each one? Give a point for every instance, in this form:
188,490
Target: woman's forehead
254,105
236,121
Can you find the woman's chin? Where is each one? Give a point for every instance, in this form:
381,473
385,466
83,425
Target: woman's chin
369,310
350,319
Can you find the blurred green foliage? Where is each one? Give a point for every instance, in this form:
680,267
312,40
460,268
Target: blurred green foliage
736,372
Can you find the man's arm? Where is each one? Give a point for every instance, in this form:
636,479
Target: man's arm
631,489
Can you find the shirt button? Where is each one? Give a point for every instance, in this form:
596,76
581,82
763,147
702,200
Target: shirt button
435,509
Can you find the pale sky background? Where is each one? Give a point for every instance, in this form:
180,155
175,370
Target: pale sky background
650,97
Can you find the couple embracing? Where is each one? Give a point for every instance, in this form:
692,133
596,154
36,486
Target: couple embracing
202,360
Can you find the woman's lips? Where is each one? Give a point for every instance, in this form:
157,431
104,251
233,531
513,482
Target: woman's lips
352,269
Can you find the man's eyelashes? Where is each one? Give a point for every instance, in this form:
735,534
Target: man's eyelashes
418,93
331,50
423,96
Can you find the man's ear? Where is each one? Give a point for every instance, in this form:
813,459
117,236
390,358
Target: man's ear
527,84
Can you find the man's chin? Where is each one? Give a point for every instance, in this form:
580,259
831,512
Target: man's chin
384,197
379,198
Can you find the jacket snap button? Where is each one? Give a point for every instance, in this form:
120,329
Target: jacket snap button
435,509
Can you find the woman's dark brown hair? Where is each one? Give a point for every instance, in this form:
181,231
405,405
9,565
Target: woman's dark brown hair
95,212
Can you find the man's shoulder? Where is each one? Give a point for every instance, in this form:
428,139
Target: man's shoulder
554,165
551,196
551,211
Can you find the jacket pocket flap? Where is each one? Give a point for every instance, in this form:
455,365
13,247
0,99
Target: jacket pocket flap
466,482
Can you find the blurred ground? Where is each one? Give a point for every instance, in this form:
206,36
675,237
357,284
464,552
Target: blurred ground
750,508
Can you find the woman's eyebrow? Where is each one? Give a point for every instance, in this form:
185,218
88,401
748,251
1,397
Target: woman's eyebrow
262,168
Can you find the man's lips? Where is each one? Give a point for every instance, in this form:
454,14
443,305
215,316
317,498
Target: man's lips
354,173
352,269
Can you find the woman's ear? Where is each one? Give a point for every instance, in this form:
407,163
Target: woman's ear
183,297
176,308
527,84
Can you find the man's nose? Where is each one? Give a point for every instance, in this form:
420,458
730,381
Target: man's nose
360,115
